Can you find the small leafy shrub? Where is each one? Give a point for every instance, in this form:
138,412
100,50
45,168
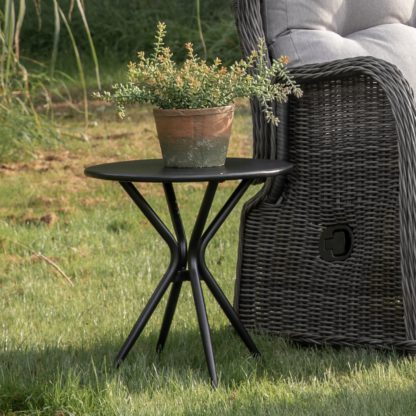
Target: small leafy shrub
158,80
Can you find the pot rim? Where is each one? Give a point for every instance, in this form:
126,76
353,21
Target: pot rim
192,112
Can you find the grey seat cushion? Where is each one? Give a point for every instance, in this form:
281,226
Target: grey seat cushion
313,31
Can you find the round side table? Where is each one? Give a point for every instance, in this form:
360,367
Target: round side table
187,262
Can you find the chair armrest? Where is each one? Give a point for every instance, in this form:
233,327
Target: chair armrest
336,78
390,80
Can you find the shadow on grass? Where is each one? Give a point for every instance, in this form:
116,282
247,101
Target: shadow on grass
57,377
183,359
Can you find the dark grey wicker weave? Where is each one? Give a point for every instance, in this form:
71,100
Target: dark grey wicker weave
352,138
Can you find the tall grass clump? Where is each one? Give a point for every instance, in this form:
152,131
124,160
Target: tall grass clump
20,124
26,117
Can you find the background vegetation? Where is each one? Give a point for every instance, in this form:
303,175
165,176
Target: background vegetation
120,28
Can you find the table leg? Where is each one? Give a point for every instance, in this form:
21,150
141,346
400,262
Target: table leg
209,279
196,279
167,278
176,286
145,315
229,311
167,318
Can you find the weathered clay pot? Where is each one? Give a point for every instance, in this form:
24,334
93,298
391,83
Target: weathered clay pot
194,138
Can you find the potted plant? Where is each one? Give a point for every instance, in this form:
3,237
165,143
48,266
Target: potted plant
195,100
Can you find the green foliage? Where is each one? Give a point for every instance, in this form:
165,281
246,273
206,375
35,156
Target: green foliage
26,91
20,123
21,129
119,28
158,80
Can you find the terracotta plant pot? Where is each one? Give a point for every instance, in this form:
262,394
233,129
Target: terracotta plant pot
194,138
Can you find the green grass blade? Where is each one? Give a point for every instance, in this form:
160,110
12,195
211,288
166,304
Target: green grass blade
79,65
19,24
9,29
71,9
38,9
201,34
2,43
57,31
90,42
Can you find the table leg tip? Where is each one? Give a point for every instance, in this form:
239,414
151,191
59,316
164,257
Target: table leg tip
256,355
117,362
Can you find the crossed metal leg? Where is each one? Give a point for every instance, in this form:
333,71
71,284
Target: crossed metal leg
187,263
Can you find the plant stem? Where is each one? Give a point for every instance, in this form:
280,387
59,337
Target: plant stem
201,35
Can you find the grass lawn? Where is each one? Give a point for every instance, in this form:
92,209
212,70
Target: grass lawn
58,340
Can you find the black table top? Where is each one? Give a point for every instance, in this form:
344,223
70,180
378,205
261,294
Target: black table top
153,170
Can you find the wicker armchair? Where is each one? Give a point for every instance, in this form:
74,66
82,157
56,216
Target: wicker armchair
352,196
